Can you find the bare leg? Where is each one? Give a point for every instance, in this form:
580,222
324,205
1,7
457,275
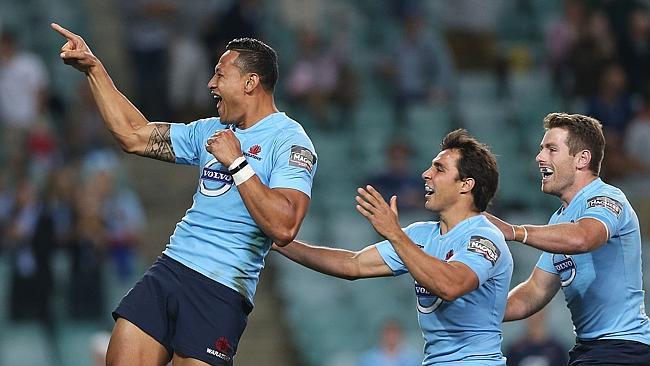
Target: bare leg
129,345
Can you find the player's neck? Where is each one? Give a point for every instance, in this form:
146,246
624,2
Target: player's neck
258,109
453,216
581,182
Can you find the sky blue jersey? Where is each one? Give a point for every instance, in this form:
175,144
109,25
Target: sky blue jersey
603,288
468,329
217,237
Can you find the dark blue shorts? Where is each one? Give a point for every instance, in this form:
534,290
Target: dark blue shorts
186,312
609,352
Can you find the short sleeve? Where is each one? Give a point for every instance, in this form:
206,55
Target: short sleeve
604,209
295,164
391,258
545,263
389,255
480,253
186,142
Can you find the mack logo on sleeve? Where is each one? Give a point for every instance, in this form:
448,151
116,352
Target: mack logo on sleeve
484,247
606,202
302,157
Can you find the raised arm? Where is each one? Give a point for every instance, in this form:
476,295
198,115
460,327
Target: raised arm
130,128
447,280
531,296
337,262
582,236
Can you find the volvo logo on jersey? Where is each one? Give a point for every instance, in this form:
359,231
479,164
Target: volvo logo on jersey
215,180
427,302
566,268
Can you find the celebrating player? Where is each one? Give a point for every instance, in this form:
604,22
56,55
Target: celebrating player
461,264
257,167
592,249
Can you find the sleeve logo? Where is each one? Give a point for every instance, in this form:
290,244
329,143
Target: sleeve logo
484,247
302,158
606,202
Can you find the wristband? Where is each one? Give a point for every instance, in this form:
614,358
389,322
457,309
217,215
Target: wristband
237,165
243,174
525,235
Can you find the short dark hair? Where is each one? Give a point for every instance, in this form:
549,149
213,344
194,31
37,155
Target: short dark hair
258,57
585,133
476,161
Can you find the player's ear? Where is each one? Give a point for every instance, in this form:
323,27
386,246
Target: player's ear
252,82
583,158
467,185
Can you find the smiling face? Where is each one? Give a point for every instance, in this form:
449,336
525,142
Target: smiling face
441,182
556,164
228,88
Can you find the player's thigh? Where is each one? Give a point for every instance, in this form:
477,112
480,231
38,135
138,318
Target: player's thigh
179,360
129,345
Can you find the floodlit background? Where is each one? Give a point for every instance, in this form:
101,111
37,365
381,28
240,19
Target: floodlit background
376,84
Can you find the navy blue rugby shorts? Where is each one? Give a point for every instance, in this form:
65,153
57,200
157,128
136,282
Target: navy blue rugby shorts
610,352
187,312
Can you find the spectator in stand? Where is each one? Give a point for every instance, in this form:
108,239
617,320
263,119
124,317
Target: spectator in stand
23,96
398,178
634,49
560,36
536,347
420,67
594,49
613,106
391,351
319,78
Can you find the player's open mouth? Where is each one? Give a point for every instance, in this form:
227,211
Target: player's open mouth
217,98
546,172
428,191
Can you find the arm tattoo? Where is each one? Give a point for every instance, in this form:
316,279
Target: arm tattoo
160,144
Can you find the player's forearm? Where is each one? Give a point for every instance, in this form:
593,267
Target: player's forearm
276,215
437,276
330,261
120,116
565,238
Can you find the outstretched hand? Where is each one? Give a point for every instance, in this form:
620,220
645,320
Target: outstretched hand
75,52
382,215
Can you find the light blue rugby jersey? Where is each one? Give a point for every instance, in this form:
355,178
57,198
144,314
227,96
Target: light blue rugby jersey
217,236
468,329
603,288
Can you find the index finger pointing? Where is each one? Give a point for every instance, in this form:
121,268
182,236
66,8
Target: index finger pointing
64,32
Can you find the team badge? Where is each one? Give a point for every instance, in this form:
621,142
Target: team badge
484,247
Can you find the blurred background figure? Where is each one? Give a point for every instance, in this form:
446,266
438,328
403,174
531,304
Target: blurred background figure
391,349
536,347
23,97
397,177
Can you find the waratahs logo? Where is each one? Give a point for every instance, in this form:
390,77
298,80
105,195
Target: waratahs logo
427,302
214,181
566,267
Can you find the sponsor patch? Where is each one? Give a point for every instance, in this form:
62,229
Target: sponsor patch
484,247
302,157
606,202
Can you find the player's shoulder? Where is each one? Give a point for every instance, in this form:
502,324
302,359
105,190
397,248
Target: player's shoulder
422,227
607,196
484,229
289,128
